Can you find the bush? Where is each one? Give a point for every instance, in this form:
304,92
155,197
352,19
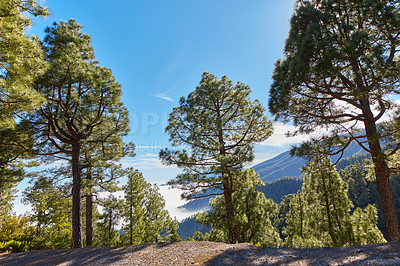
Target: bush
14,246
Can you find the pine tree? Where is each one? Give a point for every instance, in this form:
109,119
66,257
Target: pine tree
100,176
156,218
50,212
111,216
364,226
355,176
296,229
215,127
320,214
133,208
21,60
144,213
324,187
253,213
340,71
173,228
83,107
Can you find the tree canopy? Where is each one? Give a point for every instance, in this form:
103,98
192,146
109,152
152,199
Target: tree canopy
21,60
83,107
215,128
340,71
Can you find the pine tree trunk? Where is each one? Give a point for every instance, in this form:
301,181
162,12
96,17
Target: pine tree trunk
76,198
328,213
89,218
378,158
131,222
301,216
230,213
385,194
89,210
1,210
382,180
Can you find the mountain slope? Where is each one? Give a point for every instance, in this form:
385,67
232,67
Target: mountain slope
286,165
280,166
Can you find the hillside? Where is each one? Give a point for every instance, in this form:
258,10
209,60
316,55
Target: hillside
280,167
284,164
188,226
209,253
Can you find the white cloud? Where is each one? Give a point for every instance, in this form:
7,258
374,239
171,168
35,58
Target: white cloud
145,161
173,200
20,208
172,197
279,138
163,96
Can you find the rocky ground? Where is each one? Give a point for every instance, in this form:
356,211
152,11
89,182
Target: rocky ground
209,253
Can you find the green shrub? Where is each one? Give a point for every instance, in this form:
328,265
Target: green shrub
14,246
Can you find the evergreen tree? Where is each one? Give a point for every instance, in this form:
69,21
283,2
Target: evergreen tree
133,208
144,213
253,213
156,217
10,177
364,226
280,219
320,215
340,71
296,229
111,216
355,176
50,213
324,187
83,107
217,126
16,228
21,60
173,228
100,176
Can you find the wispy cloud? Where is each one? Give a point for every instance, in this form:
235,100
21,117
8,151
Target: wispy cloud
163,96
279,138
145,161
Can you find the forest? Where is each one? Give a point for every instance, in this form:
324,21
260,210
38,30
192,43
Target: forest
63,127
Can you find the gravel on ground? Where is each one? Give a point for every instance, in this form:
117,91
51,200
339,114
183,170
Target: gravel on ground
209,253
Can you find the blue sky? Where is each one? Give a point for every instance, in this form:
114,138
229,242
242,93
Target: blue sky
158,51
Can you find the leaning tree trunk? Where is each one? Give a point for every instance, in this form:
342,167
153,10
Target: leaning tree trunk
382,178
76,197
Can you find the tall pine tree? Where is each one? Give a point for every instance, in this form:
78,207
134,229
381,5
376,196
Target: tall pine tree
214,130
320,214
83,106
340,71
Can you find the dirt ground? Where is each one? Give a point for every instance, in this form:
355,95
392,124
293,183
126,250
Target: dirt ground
209,253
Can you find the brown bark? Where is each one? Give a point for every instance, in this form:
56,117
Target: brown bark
378,157
131,222
89,211
110,227
76,197
1,209
328,213
382,175
230,214
89,219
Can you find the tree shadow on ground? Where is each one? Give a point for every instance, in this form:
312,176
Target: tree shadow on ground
378,254
79,256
